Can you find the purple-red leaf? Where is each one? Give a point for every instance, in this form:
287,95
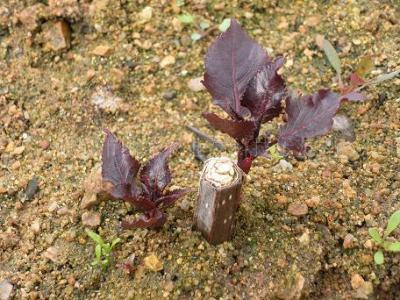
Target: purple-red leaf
308,116
152,219
236,129
356,80
170,198
156,175
118,166
265,92
141,202
231,62
258,148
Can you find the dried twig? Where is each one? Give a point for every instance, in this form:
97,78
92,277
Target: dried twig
207,138
196,151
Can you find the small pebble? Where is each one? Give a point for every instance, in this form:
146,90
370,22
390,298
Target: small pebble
153,263
102,50
297,209
349,241
356,281
57,36
313,201
146,14
91,219
53,254
35,227
196,85
169,95
31,189
346,152
18,150
5,289
44,144
167,61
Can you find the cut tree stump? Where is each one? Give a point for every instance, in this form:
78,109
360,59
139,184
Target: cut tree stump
219,197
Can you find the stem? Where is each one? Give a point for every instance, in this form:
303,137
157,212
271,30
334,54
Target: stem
340,81
219,197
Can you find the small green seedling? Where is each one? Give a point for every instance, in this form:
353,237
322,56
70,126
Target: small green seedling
274,153
102,250
393,223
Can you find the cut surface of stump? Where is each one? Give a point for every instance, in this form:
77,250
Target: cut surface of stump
219,197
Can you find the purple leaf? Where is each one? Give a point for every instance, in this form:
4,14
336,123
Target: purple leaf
258,148
171,197
236,129
265,92
353,97
141,202
308,116
231,62
152,219
118,166
156,175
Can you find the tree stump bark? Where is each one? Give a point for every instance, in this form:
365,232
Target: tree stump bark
219,196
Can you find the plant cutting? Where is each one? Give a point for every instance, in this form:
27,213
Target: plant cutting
143,187
245,83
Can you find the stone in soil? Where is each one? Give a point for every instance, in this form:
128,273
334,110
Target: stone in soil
297,209
346,152
313,201
146,14
31,189
167,61
196,85
283,166
35,227
153,263
348,191
53,254
44,144
29,17
91,219
169,95
349,241
363,289
102,50
57,36
94,188
105,99
5,289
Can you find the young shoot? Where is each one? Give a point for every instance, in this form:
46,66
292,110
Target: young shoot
102,250
382,241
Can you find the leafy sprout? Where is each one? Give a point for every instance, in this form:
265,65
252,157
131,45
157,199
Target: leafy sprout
246,83
381,241
103,250
142,186
357,79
